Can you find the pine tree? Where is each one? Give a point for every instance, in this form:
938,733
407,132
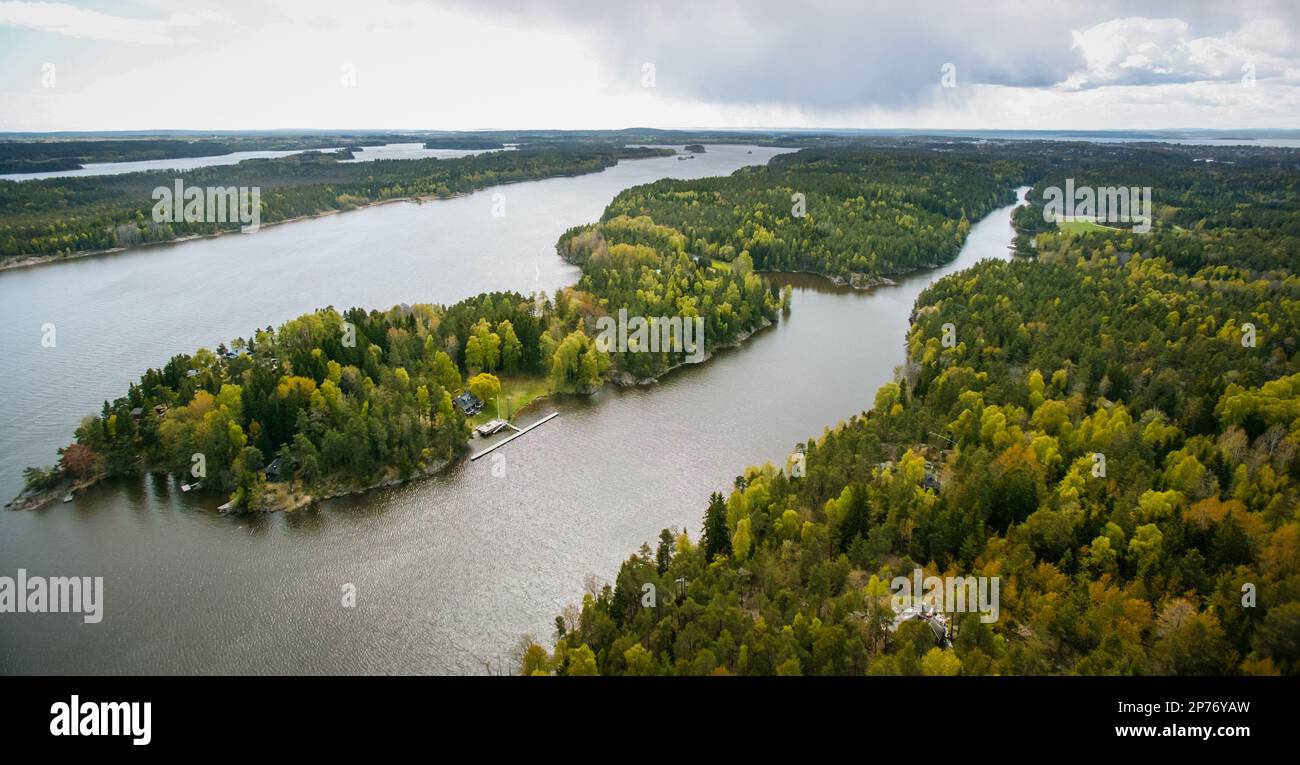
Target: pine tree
664,554
717,538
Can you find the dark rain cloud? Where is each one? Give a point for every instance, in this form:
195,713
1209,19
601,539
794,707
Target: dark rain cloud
837,55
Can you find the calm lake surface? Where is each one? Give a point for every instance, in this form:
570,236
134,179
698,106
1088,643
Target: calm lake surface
451,571
138,166
117,315
367,154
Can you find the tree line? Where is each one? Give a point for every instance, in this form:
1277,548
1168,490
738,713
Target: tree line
1111,427
61,216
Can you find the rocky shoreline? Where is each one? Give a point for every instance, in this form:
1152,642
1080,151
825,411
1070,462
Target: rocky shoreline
35,500
862,281
854,281
626,379
288,501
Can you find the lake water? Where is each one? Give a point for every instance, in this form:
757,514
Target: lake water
411,151
116,315
417,151
139,166
450,571
367,154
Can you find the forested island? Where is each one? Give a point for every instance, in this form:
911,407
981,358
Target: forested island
1112,430
340,417
842,212
40,153
350,401
1170,355
61,217
41,156
467,143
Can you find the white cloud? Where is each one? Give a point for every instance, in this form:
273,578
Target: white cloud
1137,51
259,64
69,20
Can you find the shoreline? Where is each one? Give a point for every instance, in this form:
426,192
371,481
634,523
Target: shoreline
627,380
25,502
299,500
290,501
623,380
39,500
856,282
34,261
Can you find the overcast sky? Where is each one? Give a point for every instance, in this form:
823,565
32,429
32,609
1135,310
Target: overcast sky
465,64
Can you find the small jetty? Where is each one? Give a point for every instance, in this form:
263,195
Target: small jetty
518,432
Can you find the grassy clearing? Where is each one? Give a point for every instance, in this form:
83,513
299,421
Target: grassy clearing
517,392
1082,226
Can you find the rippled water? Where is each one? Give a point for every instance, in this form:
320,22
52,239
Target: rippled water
116,315
449,572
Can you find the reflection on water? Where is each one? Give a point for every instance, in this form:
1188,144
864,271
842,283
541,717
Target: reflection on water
408,151
117,315
366,154
143,165
450,571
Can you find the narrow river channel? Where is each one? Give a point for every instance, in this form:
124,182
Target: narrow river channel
451,571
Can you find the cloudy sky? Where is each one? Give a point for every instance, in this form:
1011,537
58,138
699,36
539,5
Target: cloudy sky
465,64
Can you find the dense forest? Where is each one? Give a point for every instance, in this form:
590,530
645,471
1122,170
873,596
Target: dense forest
340,417
343,400
70,154
1112,430
838,211
60,216
1109,425
349,400
692,248
26,153
471,144
639,266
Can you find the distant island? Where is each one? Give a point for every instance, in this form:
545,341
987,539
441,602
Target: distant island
52,155
288,417
1108,429
467,144
58,218
694,148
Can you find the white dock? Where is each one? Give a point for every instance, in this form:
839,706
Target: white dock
513,436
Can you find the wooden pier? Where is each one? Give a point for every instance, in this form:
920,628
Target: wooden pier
513,436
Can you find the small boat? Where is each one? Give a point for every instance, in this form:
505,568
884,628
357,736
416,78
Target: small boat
68,497
491,427
191,486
